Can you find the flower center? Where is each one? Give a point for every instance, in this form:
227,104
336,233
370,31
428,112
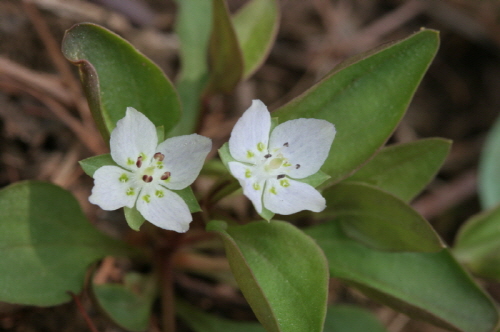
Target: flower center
155,169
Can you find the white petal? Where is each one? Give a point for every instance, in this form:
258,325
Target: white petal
184,158
109,192
250,134
295,196
252,186
134,135
165,209
305,143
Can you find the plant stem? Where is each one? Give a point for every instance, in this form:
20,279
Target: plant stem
167,290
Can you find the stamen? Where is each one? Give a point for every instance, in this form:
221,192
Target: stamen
268,155
281,176
166,176
159,156
286,144
297,166
147,178
138,163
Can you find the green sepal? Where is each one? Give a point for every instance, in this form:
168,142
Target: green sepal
92,164
134,217
188,196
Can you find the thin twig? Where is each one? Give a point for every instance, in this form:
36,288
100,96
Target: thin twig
82,311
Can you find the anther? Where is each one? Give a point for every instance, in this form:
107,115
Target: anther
297,166
147,178
138,163
165,176
281,176
268,155
159,156
286,144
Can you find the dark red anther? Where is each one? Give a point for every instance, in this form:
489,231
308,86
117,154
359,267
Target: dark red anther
159,156
281,176
286,144
138,163
268,155
165,176
297,166
147,178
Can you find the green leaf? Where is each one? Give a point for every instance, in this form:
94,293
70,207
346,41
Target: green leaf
478,244
256,26
115,75
133,217
281,272
349,318
188,196
365,98
128,305
46,244
379,219
92,164
193,26
225,58
489,169
199,321
404,169
430,286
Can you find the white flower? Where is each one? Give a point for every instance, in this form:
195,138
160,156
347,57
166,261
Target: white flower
147,172
268,164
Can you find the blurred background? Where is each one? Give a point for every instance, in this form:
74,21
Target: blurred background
45,128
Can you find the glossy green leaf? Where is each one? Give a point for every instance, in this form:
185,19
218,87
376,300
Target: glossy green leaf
365,98
46,244
92,164
378,219
225,58
115,75
128,304
281,272
405,169
489,169
430,286
478,244
256,26
349,318
193,26
200,321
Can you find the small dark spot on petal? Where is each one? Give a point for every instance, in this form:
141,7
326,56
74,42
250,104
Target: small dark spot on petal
268,155
297,166
281,176
286,144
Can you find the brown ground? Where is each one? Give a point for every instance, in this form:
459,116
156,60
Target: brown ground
458,99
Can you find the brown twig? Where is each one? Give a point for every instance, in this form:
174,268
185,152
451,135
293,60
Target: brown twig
88,136
447,195
82,311
59,61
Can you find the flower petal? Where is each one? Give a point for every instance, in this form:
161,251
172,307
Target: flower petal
113,188
134,135
164,208
305,143
184,158
252,187
287,196
250,135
